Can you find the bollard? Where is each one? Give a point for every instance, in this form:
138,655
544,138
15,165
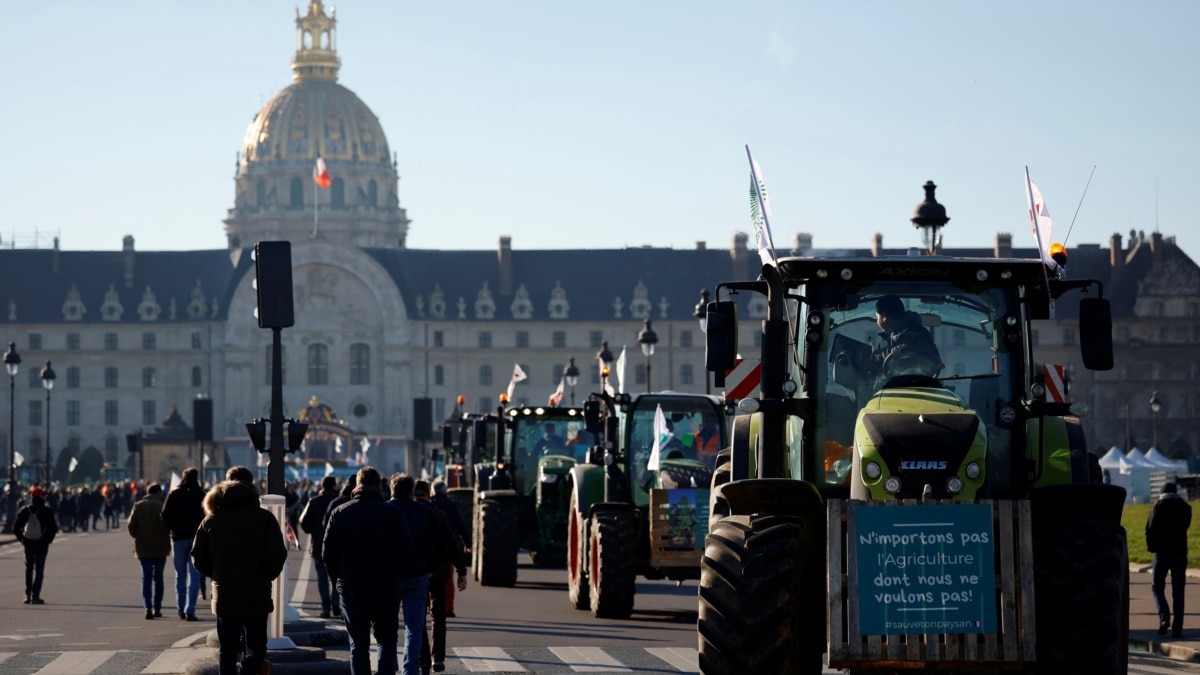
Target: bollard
277,505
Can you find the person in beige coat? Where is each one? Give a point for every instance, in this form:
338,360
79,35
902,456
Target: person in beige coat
151,545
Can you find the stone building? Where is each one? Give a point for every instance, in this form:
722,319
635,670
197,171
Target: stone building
135,335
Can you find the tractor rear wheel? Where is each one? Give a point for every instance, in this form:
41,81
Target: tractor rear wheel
577,583
760,609
717,508
497,561
611,573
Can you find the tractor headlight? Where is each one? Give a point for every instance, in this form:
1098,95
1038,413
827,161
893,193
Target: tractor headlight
954,485
873,471
549,478
892,484
973,470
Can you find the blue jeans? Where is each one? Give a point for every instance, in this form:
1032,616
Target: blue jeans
1177,566
328,592
414,597
367,610
234,632
152,581
35,567
187,578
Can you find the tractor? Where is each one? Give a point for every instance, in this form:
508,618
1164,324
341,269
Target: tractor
884,508
638,501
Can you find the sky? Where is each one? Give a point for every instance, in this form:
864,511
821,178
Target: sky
622,123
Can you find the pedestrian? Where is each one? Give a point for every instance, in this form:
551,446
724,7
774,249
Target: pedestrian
346,494
1166,538
452,556
182,512
414,584
458,523
367,546
36,540
312,521
151,545
239,545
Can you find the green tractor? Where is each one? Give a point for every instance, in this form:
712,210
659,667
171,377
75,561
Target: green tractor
881,509
638,503
521,458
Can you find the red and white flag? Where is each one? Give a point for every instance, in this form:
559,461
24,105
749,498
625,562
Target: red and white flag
556,397
321,174
517,376
1039,216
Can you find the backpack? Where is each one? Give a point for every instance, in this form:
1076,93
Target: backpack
33,529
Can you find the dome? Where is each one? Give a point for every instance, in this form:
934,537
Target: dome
315,118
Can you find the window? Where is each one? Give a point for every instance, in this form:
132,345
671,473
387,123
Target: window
556,375
149,341
337,193
1069,336
685,338
318,364
686,376
282,364
595,338
35,378
149,414
35,341
110,449
72,413
522,339
296,194
35,446
261,192
110,342
360,364
73,445
110,377
72,378
485,405
439,375
110,413
73,341
149,378
595,373
559,338
197,342
197,377
485,375
439,338
1157,309
485,339
439,408
373,193
35,414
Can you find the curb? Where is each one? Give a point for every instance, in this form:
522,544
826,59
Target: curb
1172,651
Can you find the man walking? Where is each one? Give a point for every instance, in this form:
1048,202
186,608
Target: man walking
452,556
427,538
240,546
182,512
36,540
449,508
366,547
312,521
1166,538
151,545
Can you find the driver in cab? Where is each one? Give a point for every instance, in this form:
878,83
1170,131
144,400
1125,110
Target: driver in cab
905,346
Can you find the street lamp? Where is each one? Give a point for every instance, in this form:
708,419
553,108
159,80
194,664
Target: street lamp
571,375
605,357
647,338
701,314
1155,407
48,382
12,361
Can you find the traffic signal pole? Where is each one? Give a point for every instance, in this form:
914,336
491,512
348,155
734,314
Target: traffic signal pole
276,449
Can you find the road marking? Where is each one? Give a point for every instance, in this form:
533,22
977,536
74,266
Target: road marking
4,656
589,660
191,640
682,658
177,660
487,660
76,663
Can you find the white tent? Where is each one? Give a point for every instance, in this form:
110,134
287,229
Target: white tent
1135,479
1137,458
1160,460
1112,458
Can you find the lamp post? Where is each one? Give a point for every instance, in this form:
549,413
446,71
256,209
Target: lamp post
605,357
1128,440
12,362
647,338
1155,407
701,314
571,375
48,382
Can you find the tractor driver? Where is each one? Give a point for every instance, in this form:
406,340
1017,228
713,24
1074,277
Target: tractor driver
905,346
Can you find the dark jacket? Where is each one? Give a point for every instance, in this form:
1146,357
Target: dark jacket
429,535
454,516
183,510
367,543
240,546
452,551
150,536
1167,526
911,340
312,520
36,509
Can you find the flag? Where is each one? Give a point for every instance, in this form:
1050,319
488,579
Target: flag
621,371
337,446
74,463
661,436
321,174
328,469
207,459
556,397
18,458
176,479
365,445
1039,216
518,375
760,212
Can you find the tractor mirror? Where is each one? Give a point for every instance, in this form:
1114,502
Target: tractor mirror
1095,333
447,436
721,344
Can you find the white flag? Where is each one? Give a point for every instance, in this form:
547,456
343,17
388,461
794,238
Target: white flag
365,445
518,375
1039,216
328,469
18,458
760,212
207,459
175,481
337,446
621,371
74,463
661,436
556,397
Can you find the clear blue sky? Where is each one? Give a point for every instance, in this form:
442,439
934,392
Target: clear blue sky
572,124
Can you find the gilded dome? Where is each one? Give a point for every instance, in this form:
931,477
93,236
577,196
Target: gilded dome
315,118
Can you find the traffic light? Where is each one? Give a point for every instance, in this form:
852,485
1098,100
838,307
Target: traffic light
273,282
202,419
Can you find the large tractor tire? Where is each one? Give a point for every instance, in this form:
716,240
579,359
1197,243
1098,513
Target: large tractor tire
577,583
717,508
611,575
760,607
497,561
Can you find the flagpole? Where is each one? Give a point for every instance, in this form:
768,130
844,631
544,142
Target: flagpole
316,208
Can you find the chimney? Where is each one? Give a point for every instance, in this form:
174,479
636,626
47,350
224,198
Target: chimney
802,245
1116,255
504,258
1003,245
877,244
701,246
1156,244
56,255
740,257
127,259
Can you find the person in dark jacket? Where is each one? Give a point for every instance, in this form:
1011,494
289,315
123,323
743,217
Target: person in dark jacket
452,556
151,545
449,508
428,542
1166,538
35,549
905,345
240,546
312,521
182,512
367,546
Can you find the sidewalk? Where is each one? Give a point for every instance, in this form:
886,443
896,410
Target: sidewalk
1143,618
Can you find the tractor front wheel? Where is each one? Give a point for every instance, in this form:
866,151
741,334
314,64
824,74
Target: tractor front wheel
611,574
497,561
577,584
